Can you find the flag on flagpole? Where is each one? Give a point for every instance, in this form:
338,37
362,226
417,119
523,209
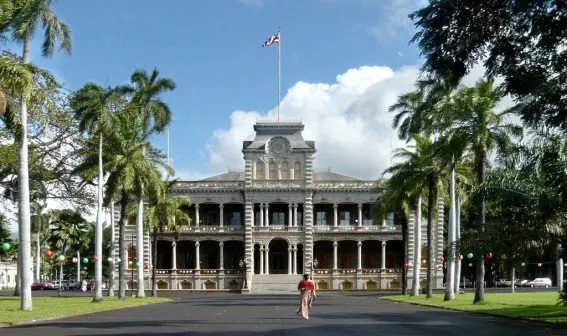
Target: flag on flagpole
273,39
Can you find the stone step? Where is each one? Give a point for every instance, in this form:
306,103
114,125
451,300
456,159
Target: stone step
275,283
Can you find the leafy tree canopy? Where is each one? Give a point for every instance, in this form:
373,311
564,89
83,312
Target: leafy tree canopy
521,40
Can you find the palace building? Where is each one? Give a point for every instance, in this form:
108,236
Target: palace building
259,229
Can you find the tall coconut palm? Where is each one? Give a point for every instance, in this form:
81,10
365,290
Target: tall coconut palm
40,227
394,196
477,127
130,162
25,18
163,214
424,171
93,106
155,114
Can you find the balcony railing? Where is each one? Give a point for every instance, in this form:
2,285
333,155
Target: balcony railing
344,185
280,184
353,271
183,186
228,271
343,228
278,228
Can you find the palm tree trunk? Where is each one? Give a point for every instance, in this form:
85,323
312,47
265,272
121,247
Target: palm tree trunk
38,259
416,250
432,198
123,255
24,263
140,248
450,285
458,238
98,230
112,255
479,293
513,277
154,261
405,257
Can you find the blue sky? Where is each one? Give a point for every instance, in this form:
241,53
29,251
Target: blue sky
212,49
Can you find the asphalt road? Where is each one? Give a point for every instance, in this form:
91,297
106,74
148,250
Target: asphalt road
216,314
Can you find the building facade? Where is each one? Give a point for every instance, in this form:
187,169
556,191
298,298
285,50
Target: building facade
260,229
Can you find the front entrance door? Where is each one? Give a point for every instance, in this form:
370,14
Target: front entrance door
279,263
278,256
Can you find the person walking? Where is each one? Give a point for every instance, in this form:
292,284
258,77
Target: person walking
305,288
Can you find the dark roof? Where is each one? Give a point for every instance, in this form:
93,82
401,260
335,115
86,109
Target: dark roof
230,176
330,176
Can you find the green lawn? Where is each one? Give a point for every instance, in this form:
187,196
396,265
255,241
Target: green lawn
54,307
540,306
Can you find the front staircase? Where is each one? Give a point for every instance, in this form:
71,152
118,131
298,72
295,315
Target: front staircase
275,283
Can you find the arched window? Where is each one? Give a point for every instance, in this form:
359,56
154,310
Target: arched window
297,171
260,174
285,170
273,171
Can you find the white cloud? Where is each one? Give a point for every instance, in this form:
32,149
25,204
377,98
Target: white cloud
348,119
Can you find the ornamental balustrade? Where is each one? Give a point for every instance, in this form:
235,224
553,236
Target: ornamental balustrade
344,185
184,186
278,184
277,228
199,271
372,228
352,271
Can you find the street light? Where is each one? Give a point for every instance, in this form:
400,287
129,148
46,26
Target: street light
243,263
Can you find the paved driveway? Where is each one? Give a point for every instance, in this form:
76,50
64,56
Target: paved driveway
217,314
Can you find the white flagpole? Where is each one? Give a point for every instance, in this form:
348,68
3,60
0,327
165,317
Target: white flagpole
279,72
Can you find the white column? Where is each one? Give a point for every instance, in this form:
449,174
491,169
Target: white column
294,253
335,215
289,257
221,210
221,251
383,266
252,220
173,255
267,215
261,214
279,171
359,266
292,171
261,257
295,214
335,254
197,256
267,260
197,215
359,214
289,215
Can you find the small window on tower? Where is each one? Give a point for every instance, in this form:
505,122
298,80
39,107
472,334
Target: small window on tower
260,175
297,171
273,171
285,170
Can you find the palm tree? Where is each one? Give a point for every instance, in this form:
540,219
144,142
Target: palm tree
394,197
40,227
478,128
128,169
69,229
23,23
93,106
164,213
423,172
156,116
